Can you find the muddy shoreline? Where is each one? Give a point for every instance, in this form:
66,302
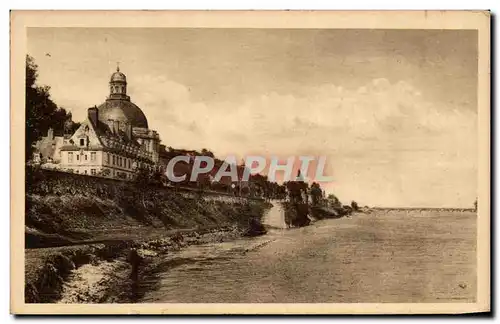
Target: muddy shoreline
101,273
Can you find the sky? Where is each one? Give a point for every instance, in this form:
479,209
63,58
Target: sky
394,111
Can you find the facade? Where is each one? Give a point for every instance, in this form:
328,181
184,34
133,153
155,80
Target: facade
114,140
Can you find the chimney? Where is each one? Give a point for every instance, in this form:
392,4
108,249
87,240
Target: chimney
93,114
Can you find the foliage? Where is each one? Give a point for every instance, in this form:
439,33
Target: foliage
316,194
333,201
41,112
145,178
206,152
297,190
105,173
33,174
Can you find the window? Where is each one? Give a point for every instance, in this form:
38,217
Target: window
107,158
92,172
120,159
82,142
78,157
92,156
85,171
113,160
85,157
70,157
129,163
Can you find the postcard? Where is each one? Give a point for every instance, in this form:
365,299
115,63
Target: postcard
250,162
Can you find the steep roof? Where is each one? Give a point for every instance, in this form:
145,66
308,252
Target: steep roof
117,142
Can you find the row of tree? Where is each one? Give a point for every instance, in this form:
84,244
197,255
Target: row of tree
297,192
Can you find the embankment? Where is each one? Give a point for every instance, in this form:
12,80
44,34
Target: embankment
300,214
73,220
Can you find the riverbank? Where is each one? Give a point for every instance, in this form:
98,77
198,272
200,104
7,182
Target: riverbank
101,273
64,233
105,272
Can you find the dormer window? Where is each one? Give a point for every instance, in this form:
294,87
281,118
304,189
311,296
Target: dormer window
82,142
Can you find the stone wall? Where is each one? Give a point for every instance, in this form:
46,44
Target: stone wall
52,182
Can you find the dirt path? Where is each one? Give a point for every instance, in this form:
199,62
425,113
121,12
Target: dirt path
275,216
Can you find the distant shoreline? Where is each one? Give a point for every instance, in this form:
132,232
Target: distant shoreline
425,208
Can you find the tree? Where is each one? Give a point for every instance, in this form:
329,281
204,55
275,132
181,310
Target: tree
41,112
144,180
296,190
206,152
316,194
354,206
334,201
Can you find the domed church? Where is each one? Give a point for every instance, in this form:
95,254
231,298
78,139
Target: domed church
115,138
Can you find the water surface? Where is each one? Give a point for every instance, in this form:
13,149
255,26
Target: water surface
381,257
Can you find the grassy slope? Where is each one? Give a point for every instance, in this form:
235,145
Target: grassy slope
79,217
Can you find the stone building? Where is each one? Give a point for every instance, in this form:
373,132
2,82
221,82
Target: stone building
115,138
48,148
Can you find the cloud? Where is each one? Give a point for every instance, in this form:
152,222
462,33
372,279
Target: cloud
386,143
380,133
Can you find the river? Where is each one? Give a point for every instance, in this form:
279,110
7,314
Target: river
398,257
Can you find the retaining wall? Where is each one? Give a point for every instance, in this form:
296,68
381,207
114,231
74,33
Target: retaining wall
46,182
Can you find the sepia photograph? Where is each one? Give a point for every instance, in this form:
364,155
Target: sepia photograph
202,162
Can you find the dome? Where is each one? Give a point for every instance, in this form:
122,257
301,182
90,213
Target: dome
124,111
118,77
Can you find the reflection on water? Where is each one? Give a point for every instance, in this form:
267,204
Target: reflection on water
382,257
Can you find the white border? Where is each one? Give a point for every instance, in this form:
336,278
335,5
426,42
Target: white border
93,4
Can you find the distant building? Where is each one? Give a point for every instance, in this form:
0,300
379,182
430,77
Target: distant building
48,148
114,140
